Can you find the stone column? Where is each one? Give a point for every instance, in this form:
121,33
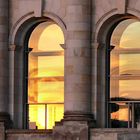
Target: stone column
78,61
4,60
11,80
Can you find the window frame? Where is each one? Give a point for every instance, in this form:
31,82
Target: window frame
26,51
108,76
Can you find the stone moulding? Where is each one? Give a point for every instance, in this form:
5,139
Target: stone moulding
101,21
113,12
121,6
24,18
16,26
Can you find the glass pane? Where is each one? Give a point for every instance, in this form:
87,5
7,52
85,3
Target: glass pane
54,114
51,66
129,89
125,64
50,92
130,36
32,90
126,35
46,66
33,66
52,36
125,48
129,64
121,90
46,79
119,115
114,64
46,37
114,90
35,121
42,91
125,61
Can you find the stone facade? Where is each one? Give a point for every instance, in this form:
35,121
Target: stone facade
85,24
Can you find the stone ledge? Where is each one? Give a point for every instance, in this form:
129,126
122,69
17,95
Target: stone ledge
28,131
112,130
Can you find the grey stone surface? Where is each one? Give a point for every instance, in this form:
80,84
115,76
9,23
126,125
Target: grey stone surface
129,136
71,130
4,56
114,134
28,135
2,131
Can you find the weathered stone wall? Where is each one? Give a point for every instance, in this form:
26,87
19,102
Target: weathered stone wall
3,56
28,135
129,136
114,134
71,130
70,133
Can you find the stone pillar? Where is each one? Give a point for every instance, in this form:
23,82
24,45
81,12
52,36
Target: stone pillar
11,80
4,60
94,78
78,61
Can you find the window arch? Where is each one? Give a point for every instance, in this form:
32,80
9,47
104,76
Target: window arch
123,75
45,76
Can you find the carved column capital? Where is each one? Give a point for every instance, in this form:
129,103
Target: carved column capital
63,46
12,47
95,45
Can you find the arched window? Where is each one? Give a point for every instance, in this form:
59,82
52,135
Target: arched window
45,76
124,74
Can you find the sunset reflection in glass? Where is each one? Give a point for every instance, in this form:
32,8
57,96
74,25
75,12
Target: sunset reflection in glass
125,71
46,76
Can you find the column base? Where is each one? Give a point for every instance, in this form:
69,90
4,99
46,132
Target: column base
79,117
5,118
75,125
